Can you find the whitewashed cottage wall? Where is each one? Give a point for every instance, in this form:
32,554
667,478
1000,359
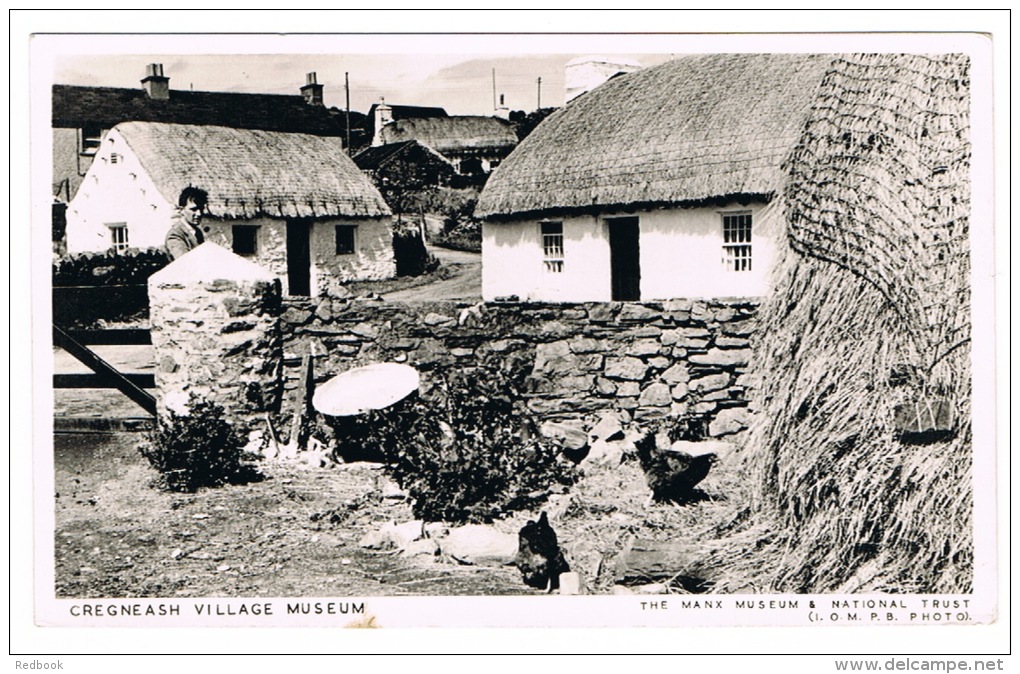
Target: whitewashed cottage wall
681,255
116,190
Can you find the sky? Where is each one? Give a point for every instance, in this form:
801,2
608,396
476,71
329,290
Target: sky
461,83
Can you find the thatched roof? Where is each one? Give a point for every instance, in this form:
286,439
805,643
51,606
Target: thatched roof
76,107
252,173
689,130
453,134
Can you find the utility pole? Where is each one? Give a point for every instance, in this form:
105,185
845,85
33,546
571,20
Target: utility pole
539,93
347,90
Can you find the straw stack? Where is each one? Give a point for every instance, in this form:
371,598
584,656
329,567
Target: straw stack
870,311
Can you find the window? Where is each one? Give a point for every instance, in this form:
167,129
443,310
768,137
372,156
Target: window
91,136
118,236
737,241
552,246
345,239
246,240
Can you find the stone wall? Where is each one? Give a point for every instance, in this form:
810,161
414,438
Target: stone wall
215,335
648,360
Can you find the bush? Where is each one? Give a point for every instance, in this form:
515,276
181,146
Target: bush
465,453
132,267
198,449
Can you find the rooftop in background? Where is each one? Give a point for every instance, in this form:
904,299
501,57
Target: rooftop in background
77,107
372,158
452,134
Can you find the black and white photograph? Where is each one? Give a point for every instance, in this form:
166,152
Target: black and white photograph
482,331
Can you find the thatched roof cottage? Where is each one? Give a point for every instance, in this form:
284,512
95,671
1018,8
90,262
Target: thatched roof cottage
473,144
293,203
82,115
649,186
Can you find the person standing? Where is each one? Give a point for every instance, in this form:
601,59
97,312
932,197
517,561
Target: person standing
185,228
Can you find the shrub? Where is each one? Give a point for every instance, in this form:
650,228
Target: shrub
465,453
197,449
131,267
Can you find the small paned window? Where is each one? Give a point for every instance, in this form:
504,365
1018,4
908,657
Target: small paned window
118,236
246,240
345,239
737,241
552,246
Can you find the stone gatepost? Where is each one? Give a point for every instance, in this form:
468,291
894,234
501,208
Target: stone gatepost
216,334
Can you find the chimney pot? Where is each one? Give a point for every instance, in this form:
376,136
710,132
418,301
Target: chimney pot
155,85
312,91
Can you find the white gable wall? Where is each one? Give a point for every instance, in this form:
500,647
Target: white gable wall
120,192
681,256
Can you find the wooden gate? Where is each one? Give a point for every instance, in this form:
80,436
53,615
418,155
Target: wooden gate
103,374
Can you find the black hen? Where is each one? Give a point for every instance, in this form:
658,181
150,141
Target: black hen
539,556
672,476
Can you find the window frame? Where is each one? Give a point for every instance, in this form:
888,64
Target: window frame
553,249
353,229
89,139
118,245
737,241
254,232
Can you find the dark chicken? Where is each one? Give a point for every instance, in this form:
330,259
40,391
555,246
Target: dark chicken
672,476
539,557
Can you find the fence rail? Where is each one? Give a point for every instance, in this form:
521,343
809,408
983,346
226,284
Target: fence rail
105,375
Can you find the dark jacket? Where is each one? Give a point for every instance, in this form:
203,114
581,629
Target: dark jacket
182,237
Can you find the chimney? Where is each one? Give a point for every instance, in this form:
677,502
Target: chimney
312,91
502,111
155,85
383,116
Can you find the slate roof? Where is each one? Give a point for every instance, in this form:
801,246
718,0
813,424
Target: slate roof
78,106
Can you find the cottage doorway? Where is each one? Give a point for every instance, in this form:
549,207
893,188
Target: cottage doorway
299,257
625,259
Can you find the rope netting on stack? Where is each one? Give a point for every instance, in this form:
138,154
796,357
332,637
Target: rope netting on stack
869,316
879,185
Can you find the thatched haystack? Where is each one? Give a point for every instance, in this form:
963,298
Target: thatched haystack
251,173
869,316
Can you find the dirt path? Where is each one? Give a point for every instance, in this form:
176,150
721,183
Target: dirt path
294,534
465,285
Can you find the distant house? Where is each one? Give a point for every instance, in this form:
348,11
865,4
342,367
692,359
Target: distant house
81,116
401,169
650,186
293,203
381,114
474,145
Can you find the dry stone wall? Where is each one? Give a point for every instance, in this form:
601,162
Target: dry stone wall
649,361
215,335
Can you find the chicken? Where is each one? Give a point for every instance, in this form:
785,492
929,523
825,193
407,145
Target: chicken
539,557
671,475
